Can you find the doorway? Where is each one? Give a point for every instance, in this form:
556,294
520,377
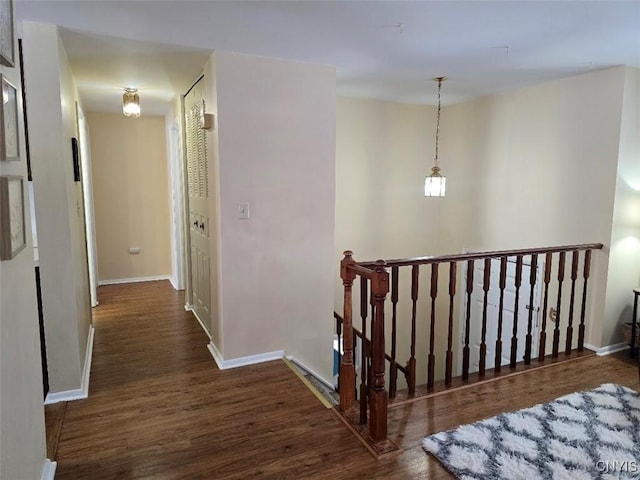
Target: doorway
199,271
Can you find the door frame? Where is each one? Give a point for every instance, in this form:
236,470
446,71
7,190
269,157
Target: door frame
89,212
177,201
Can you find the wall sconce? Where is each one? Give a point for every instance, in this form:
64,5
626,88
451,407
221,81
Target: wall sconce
131,103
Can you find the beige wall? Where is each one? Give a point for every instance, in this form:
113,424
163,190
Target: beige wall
276,147
548,157
131,195
22,432
58,205
530,168
624,263
383,152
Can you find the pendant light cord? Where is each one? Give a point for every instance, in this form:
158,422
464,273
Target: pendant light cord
438,121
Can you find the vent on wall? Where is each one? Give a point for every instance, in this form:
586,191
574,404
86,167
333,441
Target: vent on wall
197,155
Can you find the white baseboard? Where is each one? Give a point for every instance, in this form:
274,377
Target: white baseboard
609,349
326,383
242,361
49,470
189,308
83,391
115,281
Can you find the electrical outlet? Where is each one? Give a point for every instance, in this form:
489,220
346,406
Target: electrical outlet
134,250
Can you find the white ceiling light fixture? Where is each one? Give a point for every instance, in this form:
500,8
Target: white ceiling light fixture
131,103
435,184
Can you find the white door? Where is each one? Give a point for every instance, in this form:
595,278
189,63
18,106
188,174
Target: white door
198,192
493,303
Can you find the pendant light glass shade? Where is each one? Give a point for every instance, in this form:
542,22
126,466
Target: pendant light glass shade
435,184
131,103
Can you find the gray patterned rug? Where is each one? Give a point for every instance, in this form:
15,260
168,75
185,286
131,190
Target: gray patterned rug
584,435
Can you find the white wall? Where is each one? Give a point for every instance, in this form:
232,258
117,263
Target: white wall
624,257
59,205
276,147
22,431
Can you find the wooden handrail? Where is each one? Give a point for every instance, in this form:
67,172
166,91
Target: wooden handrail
400,262
381,277
362,271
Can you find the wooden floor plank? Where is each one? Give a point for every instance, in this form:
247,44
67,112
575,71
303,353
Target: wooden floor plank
158,407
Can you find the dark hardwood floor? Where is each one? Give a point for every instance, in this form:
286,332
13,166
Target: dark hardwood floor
159,408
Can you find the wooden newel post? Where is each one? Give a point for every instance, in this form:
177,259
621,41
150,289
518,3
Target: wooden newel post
378,398
347,378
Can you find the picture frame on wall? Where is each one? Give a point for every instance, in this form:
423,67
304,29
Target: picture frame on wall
9,139
13,237
7,44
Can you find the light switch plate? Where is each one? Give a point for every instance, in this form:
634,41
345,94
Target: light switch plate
243,210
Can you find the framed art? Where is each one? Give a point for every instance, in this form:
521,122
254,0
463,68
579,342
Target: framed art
7,46
12,228
9,140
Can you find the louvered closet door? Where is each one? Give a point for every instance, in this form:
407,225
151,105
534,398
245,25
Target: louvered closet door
198,188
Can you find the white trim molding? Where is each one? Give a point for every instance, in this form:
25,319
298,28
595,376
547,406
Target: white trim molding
116,281
189,308
48,470
83,391
242,361
609,349
174,283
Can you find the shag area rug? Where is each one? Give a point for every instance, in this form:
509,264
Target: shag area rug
585,435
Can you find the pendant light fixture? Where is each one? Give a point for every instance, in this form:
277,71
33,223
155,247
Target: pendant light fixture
131,103
435,184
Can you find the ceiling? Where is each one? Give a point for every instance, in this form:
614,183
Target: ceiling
382,49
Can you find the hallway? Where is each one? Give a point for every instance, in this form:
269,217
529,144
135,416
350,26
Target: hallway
159,408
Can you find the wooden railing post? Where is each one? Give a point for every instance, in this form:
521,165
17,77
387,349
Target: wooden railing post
347,379
411,364
431,365
585,275
574,277
503,284
452,293
467,322
378,398
364,354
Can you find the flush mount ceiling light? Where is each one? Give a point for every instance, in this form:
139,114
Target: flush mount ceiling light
435,184
131,103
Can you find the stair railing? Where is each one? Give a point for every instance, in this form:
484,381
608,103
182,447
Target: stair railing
376,360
